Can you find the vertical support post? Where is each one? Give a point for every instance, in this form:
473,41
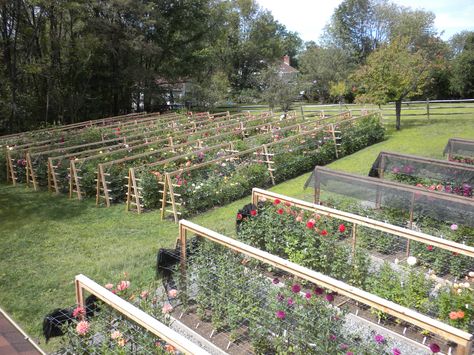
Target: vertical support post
428,108
333,134
170,139
410,223
183,256
254,198
302,111
104,185
354,240
164,198
97,189
129,190
52,181
79,294
378,200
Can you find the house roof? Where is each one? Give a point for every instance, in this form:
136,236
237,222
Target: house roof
285,68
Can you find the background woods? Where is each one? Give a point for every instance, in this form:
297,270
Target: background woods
73,60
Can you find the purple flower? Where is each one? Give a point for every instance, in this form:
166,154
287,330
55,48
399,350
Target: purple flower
454,227
332,337
329,297
344,346
290,302
379,339
396,351
349,353
435,348
295,288
308,295
280,314
276,281
280,297
318,291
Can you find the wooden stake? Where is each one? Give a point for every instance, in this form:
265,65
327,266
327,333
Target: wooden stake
11,168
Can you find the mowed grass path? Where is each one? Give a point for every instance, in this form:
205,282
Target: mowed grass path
46,240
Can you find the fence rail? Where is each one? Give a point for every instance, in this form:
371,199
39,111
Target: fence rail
135,314
450,333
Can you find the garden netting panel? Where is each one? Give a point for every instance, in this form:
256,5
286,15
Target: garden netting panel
375,193
460,147
412,168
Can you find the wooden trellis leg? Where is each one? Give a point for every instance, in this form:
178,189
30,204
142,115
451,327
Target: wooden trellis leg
133,192
30,173
171,144
74,185
102,187
11,169
336,139
52,180
169,198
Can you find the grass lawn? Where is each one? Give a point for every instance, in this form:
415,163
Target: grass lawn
46,240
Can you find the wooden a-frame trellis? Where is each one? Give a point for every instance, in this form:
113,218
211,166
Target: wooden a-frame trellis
74,180
134,191
11,174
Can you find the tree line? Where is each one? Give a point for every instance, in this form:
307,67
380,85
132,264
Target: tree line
65,61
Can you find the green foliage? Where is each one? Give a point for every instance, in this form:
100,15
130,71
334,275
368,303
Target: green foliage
392,73
462,80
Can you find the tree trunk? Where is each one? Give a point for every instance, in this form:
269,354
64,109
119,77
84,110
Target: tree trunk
398,110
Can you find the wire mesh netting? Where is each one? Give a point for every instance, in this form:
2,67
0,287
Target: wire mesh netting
446,216
433,174
245,306
98,328
430,280
460,150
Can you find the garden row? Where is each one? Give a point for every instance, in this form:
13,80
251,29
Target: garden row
113,134
245,300
190,185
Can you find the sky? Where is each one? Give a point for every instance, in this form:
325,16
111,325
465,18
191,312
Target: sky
308,17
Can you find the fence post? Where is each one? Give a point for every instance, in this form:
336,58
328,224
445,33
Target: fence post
428,108
302,111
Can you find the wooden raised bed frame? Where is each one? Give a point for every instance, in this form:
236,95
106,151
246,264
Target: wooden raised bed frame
461,338
83,283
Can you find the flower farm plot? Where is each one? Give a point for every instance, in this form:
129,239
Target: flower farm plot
246,300
113,325
139,132
225,179
120,160
329,241
24,137
433,174
460,150
255,135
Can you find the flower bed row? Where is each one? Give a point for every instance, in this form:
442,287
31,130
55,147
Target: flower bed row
323,244
230,178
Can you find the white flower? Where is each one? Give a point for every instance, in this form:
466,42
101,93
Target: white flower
467,285
100,152
396,261
411,260
471,273
459,290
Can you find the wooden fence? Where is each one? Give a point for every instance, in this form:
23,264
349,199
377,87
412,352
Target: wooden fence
135,314
449,333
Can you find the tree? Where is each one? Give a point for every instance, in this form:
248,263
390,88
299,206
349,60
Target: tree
361,26
277,90
320,66
392,73
462,80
